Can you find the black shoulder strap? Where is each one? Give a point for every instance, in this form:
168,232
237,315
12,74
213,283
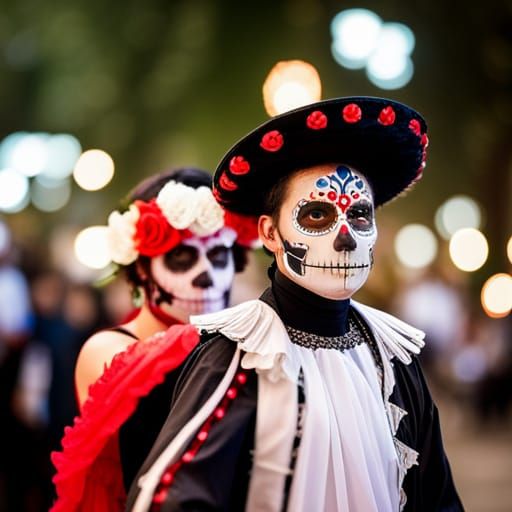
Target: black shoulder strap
122,330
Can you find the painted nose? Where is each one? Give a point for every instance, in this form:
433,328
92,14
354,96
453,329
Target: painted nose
344,241
203,280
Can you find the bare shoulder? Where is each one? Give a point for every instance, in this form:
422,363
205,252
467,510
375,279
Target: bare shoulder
97,354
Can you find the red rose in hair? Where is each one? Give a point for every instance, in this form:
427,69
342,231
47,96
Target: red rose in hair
352,113
153,233
239,165
272,141
226,183
415,127
424,140
316,120
387,116
246,227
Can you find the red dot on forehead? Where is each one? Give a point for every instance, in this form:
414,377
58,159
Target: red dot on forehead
331,195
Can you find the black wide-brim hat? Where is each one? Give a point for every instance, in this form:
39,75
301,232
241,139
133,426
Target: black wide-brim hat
383,139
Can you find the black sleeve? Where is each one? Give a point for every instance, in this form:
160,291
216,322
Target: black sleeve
217,478
429,485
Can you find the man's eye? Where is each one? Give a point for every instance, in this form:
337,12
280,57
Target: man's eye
361,216
316,216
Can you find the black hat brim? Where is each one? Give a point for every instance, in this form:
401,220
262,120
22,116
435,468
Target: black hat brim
389,154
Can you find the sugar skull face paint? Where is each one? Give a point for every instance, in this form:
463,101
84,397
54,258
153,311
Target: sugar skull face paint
328,230
196,276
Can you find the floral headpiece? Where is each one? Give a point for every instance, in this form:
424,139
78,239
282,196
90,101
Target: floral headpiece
151,228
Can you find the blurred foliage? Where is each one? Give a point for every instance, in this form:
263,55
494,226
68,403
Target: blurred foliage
163,83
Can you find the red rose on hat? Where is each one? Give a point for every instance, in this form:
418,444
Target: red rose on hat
272,141
387,116
415,127
316,120
239,165
153,233
352,113
226,183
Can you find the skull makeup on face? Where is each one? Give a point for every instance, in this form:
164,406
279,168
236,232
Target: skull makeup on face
328,230
196,276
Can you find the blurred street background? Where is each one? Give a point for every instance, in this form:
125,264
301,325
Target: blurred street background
97,95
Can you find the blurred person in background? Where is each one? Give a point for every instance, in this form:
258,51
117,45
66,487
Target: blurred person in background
15,328
179,252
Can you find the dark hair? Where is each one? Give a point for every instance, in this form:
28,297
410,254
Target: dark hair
148,189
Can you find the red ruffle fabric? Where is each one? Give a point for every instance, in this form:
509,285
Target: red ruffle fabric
89,474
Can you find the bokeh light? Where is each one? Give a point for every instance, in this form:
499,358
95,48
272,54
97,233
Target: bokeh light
456,213
496,295
355,33
26,153
415,246
509,249
291,84
468,249
14,191
94,169
63,153
49,195
91,247
361,39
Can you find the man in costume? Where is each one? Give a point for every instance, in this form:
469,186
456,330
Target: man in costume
179,251
306,400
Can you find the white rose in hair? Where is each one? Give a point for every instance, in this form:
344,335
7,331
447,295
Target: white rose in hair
178,204
210,216
120,233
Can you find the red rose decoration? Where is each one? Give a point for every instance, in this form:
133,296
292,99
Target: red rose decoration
246,227
272,141
387,116
415,127
226,183
216,194
424,140
317,120
153,234
352,113
239,165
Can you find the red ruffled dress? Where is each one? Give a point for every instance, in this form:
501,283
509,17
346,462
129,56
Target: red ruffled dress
89,475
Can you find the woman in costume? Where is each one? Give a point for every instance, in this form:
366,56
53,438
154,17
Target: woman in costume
306,399
179,253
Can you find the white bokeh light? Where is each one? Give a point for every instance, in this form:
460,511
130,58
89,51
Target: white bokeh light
50,195
389,71
355,33
29,154
415,246
496,295
63,153
456,213
94,169
468,249
509,249
361,39
14,191
91,247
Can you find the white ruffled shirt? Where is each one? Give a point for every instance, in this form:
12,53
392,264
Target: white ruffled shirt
349,459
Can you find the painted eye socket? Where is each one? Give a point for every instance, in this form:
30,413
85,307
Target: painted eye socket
360,216
218,256
181,258
317,216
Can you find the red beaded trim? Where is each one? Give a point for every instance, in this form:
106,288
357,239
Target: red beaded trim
168,476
